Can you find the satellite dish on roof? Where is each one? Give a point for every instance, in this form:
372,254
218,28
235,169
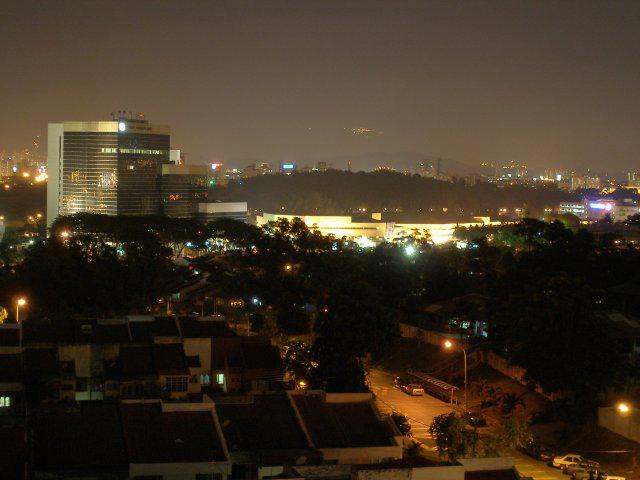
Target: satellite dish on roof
301,460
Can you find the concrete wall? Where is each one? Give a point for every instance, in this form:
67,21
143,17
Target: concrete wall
488,463
625,424
362,455
179,471
446,472
427,336
348,397
200,347
54,167
81,354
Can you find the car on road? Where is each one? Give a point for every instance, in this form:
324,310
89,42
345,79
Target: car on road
406,386
564,461
584,465
588,474
475,419
413,389
537,451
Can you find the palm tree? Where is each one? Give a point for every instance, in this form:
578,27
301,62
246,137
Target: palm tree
511,401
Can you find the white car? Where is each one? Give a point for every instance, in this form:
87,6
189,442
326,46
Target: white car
413,389
585,475
565,460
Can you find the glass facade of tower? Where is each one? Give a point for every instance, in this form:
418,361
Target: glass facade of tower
113,167
183,188
89,177
140,160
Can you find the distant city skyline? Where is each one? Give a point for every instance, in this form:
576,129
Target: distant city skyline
543,83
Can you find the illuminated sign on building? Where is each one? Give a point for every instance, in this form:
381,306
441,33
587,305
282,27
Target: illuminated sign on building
288,166
601,206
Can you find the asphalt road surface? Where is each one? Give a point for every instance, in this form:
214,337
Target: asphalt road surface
422,409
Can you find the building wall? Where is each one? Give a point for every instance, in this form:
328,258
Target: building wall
54,165
97,167
200,347
179,471
627,424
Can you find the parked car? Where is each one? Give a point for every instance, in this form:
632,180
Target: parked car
413,389
406,386
584,465
586,474
537,451
565,460
399,382
475,419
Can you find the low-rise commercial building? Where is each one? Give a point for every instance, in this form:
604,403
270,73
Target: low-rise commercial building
377,230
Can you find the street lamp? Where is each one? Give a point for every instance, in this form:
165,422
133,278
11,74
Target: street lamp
20,303
623,408
448,344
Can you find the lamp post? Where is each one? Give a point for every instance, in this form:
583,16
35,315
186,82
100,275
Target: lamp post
448,344
20,303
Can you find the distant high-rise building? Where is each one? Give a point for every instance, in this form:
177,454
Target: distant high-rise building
585,182
110,167
183,188
512,172
633,179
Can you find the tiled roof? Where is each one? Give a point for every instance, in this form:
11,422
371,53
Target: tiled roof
77,332
56,435
269,423
491,475
13,453
193,361
261,355
10,368
195,328
169,358
41,362
136,361
145,331
153,436
342,425
9,337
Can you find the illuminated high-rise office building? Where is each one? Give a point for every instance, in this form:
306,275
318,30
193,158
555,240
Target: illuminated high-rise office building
111,167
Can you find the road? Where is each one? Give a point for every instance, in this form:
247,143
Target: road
422,410
419,410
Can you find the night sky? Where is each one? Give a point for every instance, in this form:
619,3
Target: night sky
542,82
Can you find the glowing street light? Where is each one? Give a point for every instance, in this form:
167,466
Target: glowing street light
20,303
448,344
288,267
409,250
623,408
64,234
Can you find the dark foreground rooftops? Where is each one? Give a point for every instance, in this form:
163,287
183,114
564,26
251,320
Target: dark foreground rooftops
154,436
268,422
344,424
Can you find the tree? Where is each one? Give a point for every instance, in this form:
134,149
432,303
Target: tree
298,361
553,329
510,401
515,432
402,422
453,438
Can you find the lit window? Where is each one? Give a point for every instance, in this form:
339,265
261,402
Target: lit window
220,378
5,402
205,379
